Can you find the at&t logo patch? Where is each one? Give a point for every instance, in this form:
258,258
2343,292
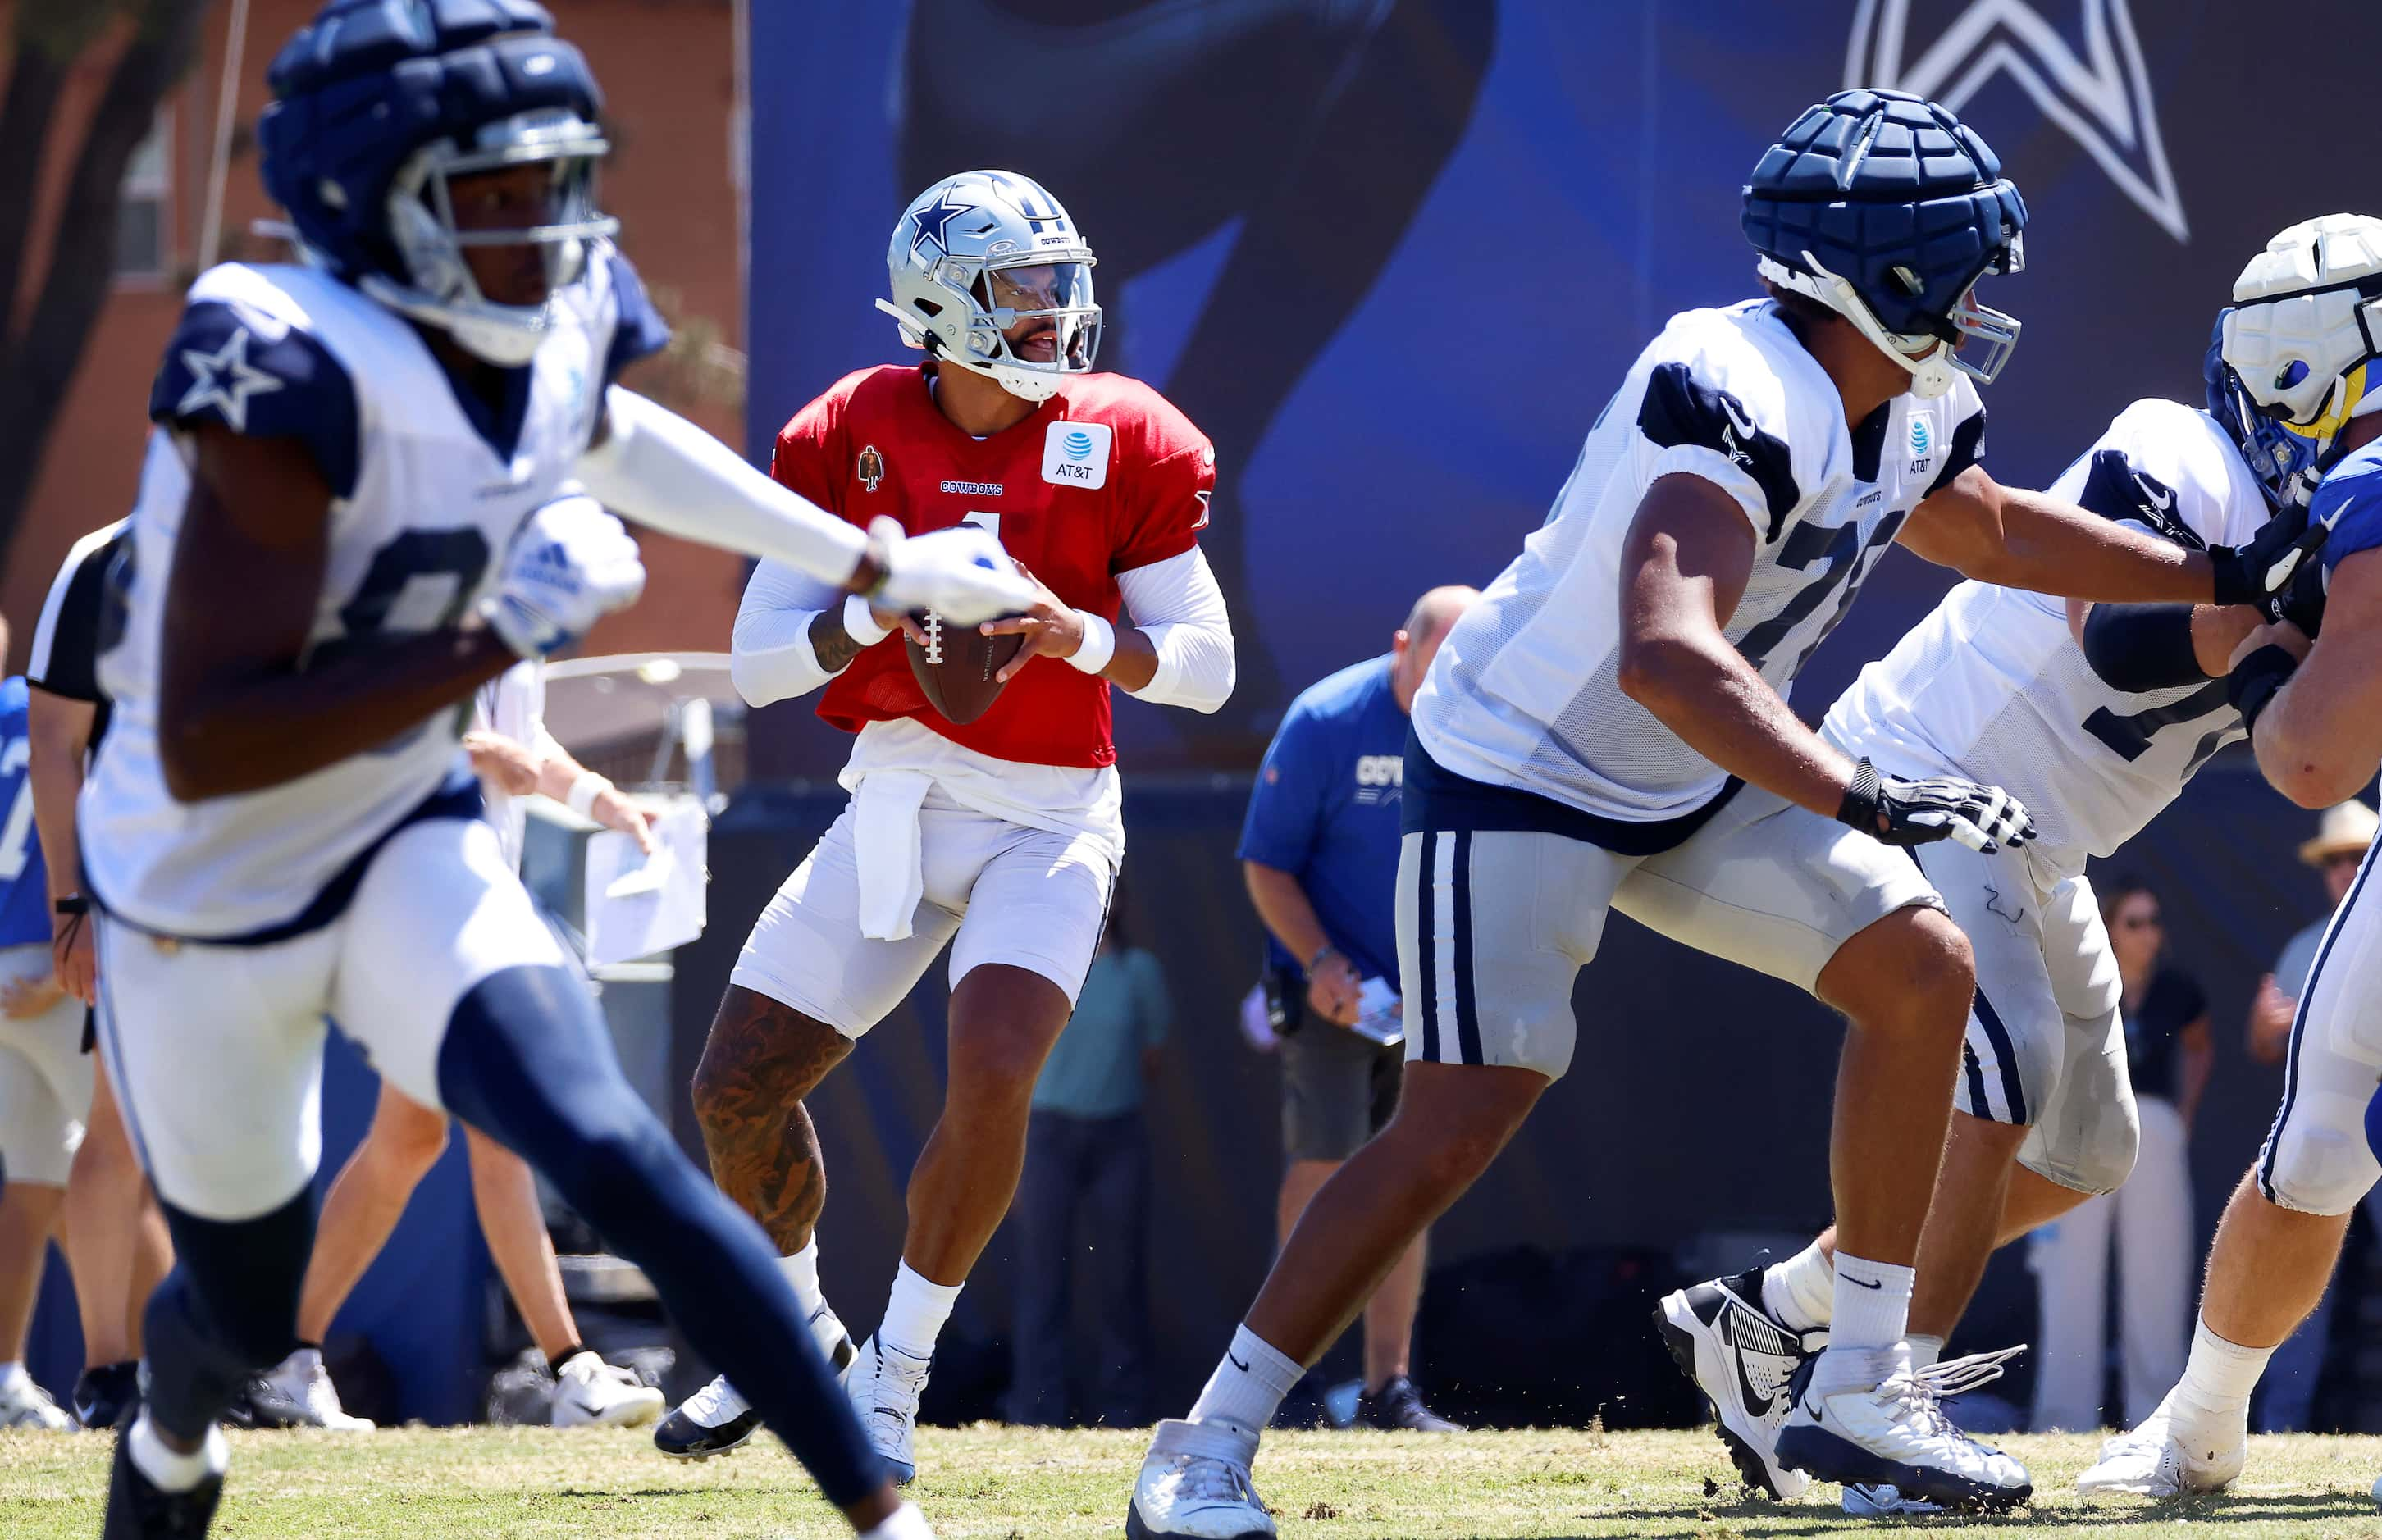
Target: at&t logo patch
1076,454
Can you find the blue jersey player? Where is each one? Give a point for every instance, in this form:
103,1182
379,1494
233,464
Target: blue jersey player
2298,352
356,509
44,1076
1607,729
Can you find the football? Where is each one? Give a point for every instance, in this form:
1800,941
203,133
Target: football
956,665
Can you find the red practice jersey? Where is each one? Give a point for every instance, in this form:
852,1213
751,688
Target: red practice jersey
1103,477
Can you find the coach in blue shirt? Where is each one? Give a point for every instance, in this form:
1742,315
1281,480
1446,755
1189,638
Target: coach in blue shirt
1321,854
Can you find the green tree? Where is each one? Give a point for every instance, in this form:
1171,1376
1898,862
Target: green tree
42,345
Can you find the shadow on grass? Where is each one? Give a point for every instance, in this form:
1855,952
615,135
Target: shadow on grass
1766,1521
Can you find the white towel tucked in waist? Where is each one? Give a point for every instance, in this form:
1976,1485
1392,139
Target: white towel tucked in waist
886,847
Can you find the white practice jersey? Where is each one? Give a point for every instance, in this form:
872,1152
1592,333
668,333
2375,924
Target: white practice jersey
1525,692
1992,686
427,494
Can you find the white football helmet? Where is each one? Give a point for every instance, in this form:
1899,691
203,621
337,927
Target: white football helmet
979,253
2300,341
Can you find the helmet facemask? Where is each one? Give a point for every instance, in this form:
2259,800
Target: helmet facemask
431,242
1052,299
1932,357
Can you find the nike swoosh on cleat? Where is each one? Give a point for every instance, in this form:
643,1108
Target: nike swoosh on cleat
1863,1282
1755,1402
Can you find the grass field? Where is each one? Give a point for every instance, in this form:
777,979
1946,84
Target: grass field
1001,1483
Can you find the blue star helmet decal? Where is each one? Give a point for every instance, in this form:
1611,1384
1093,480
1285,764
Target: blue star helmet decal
934,219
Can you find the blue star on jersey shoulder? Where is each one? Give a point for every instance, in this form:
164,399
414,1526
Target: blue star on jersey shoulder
261,382
933,220
2348,502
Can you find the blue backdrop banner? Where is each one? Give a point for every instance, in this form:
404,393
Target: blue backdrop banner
1393,255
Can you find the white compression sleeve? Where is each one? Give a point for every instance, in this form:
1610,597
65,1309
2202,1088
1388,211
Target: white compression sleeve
662,470
770,657
1178,605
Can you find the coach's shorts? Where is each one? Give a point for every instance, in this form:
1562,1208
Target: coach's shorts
44,1079
1494,924
1338,1089
2045,1044
1009,894
216,1052
2316,1159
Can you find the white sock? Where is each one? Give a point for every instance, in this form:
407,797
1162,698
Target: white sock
1872,1304
802,1271
10,1373
1247,1386
1925,1351
915,1315
907,1523
1800,1290
2218,1379
170,1471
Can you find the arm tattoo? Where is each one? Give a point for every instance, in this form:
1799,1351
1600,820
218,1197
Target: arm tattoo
834,646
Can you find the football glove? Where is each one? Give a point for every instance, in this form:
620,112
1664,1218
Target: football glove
571,565
2254,573
1896,811
961,574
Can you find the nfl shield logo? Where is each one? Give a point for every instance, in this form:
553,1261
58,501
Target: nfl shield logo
871,468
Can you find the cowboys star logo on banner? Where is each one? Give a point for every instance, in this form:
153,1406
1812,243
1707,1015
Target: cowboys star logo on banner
2102,98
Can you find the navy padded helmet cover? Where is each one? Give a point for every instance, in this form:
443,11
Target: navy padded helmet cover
1872,180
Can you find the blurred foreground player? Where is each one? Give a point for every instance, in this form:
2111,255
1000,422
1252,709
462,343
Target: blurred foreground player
1001,833
352,513
1583,741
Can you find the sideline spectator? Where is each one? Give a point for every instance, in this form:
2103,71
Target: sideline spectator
1087,1160
2338,850
1319,852
2170,1051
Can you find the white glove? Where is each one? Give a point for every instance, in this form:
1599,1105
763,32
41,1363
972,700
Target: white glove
961,574
571,565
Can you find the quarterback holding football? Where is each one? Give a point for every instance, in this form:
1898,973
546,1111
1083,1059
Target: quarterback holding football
986,807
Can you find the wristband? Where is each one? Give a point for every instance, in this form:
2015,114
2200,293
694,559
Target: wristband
585,790
1317,960
1860,807
1099,644
860,624
2253,681
73,903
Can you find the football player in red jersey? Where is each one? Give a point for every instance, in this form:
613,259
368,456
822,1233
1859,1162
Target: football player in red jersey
1003,834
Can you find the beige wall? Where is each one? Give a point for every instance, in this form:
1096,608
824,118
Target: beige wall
667,70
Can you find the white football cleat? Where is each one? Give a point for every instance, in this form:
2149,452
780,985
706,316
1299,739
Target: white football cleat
1867,1419
2154,1461
24,1404
885,1383
306,1384
714,1419
1742,1358
589,1392
1194,1485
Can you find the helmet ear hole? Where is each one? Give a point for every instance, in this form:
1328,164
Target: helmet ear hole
929,308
